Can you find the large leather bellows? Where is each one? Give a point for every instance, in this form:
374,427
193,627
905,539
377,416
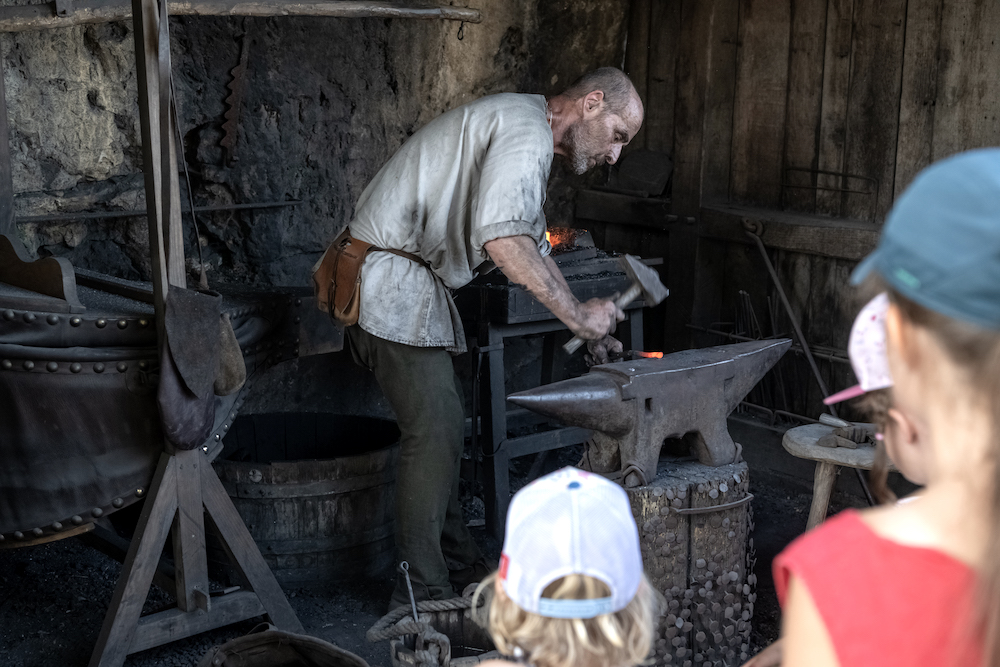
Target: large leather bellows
80,429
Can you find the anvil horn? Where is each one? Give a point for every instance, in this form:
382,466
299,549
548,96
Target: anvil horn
592,401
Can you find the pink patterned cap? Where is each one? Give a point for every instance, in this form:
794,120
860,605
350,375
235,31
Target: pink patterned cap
866,349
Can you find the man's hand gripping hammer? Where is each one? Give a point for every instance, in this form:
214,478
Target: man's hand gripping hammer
645,283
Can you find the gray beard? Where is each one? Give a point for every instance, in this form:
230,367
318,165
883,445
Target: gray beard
577,159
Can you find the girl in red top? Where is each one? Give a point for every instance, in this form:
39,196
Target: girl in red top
918,583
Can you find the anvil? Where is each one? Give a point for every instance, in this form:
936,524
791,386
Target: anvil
633,406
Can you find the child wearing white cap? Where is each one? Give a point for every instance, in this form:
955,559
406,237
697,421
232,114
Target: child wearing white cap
570,589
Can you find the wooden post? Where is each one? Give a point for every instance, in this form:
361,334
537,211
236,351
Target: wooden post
144,24
6,179
185,488
190,558
137,572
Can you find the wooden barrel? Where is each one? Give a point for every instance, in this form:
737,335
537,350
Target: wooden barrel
316,492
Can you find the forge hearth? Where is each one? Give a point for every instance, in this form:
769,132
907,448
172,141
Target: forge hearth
589,271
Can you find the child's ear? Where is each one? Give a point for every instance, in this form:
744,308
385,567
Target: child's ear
905,430
902,443
899,335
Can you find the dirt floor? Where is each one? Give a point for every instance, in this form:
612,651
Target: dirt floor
53,597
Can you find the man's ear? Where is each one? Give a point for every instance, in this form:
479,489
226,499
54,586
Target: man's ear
593,102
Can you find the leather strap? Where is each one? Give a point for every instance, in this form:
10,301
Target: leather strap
402,253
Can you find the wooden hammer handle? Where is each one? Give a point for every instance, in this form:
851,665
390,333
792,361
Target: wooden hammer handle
625,299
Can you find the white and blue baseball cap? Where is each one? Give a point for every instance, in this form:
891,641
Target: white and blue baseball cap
570,522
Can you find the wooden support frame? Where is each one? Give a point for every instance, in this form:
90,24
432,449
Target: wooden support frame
186,494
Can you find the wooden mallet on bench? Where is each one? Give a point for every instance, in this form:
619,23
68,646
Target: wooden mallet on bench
645,283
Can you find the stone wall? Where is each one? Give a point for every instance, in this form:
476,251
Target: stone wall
327,102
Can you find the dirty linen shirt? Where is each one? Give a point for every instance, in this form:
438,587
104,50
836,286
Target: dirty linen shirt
471,175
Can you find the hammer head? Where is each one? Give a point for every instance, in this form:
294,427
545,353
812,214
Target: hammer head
653,291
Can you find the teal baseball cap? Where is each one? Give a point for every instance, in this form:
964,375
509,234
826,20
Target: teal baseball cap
940,246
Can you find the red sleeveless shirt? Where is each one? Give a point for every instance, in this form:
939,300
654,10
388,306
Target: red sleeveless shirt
884,603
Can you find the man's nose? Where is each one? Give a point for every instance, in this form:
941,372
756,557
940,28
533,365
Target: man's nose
616,151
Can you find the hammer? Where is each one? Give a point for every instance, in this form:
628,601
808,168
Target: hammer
645,283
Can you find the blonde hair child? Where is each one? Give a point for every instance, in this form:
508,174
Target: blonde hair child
570,591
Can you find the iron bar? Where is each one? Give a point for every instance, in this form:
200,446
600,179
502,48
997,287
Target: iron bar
6,179
714,508
820,187
137,213
791,314
774,413
843,189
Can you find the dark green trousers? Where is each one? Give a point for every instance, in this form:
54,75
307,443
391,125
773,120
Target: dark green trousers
425,394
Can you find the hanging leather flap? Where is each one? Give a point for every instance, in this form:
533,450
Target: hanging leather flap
192,324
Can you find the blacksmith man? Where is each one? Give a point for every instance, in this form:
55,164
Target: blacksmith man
465,189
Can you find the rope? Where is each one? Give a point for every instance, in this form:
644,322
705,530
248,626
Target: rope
437,651
438,646
391,625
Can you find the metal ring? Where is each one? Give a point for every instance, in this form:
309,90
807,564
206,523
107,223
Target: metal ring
715,508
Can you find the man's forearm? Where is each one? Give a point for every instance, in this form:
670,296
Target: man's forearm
556,273
518,258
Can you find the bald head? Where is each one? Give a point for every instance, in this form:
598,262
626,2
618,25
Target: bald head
619,93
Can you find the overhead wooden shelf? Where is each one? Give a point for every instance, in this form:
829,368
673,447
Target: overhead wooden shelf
797,232
65,13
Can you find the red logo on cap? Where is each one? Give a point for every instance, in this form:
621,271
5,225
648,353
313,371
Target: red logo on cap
504,562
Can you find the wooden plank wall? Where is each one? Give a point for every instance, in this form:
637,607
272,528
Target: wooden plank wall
818,107
739,92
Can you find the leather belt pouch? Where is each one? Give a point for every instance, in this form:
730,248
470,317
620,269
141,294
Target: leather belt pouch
337,278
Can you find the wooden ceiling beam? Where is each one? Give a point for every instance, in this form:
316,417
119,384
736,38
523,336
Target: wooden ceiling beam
76,12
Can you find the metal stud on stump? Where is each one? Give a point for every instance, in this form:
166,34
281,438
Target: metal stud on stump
694,521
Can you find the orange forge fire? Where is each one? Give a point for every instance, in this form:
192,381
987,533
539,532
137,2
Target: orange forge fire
561,236
650,355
